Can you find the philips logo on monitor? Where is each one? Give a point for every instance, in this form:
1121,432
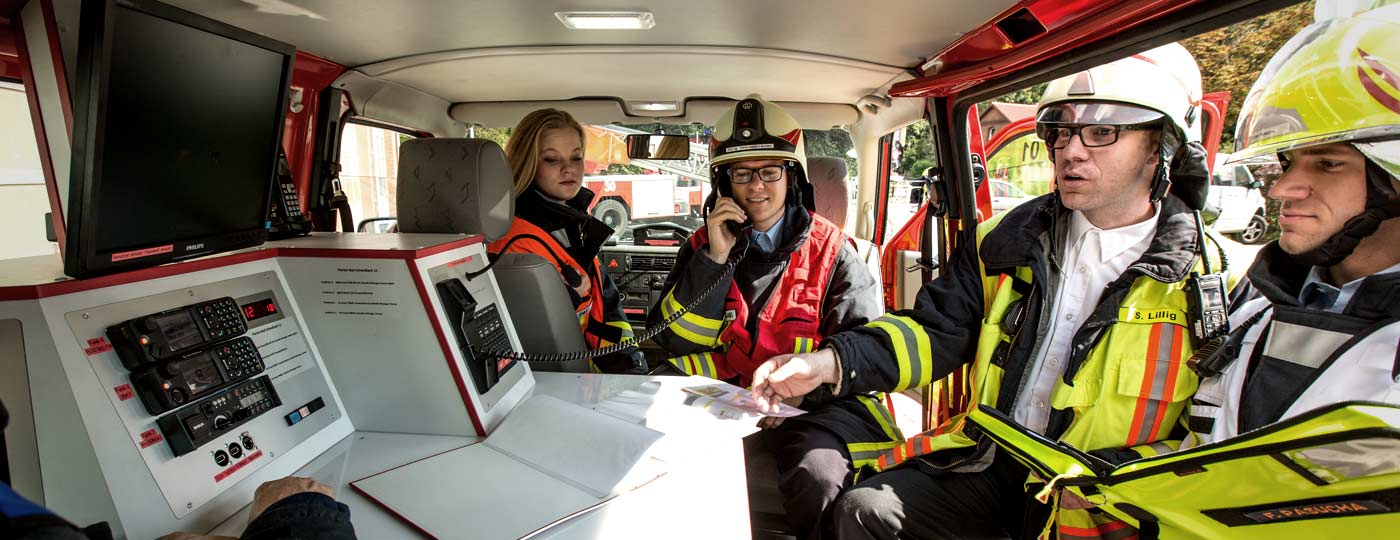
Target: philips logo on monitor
193,247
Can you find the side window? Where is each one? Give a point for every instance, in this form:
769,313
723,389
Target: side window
913,154
1242,176
24,199
369,169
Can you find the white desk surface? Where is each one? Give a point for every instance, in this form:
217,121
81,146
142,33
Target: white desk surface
704,494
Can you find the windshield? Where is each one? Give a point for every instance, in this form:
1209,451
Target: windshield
640,193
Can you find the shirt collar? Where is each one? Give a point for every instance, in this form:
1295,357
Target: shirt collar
1113,242
771,235
1317,293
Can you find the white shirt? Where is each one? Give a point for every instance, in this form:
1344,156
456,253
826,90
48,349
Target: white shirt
1093,258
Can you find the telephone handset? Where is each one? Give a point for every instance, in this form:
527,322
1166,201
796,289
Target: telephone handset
285,220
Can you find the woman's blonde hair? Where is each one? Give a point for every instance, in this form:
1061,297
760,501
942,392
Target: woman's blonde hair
523,147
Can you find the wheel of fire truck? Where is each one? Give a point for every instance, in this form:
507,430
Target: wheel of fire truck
612,212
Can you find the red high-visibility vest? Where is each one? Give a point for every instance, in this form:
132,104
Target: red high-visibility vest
791,320
589,309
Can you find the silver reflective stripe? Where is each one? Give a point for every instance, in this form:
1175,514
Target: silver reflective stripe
1160,448
1349,460
1302,345
1165,338
702,361
696,329
910,344
864,456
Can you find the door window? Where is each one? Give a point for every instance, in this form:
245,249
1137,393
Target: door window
369,173
24,199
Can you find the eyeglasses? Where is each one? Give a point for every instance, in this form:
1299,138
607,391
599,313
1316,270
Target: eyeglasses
1093,136
770,174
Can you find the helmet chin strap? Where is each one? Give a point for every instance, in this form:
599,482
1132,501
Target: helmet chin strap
1379,207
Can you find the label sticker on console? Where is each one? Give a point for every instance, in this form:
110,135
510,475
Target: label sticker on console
97,345
124,392
149,438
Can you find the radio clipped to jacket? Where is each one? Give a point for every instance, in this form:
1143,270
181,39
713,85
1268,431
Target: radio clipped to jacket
1206,301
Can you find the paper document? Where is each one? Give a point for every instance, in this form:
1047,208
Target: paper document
594,451
729,401
549,460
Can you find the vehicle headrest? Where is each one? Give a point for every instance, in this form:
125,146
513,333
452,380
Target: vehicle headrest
832,195
455,186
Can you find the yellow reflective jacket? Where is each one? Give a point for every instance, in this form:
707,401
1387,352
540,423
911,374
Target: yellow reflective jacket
1125,386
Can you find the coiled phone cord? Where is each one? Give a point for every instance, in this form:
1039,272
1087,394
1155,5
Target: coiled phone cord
729,266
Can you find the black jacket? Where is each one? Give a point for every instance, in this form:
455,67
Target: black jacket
583,236
950,307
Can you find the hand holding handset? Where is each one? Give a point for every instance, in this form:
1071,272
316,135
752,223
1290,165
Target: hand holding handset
735,232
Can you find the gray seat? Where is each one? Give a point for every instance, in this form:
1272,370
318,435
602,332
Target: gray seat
465,186
832,199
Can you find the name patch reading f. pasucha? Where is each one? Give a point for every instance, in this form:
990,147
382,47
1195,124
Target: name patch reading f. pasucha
1357,504
1306,511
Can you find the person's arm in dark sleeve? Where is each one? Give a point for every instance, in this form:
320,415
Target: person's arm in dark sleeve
305,516
21,519
914,347
699,329
618,329
852,296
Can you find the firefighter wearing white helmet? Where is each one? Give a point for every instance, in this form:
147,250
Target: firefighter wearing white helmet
795,279
1323,329
1070,316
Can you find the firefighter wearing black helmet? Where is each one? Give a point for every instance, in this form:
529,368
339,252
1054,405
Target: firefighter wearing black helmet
797,279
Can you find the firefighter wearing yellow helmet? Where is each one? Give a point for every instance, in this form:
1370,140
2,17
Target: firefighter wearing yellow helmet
1070,316
1323,328
796,279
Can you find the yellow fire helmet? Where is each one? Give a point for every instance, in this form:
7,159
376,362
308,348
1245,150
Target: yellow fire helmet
1337,81
1162,84
758,129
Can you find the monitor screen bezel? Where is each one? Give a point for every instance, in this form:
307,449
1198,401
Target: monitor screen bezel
81,255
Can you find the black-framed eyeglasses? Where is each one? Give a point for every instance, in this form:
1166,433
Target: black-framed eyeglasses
1092,135
770,174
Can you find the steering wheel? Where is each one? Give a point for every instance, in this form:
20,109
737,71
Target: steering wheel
642,232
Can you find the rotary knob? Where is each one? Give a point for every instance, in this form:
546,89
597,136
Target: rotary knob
220,422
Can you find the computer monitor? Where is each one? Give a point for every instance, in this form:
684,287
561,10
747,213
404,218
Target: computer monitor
177,122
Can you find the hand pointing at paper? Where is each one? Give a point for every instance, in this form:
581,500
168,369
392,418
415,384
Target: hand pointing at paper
792,375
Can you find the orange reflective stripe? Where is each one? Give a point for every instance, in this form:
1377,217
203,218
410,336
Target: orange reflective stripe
1113,530
1158,383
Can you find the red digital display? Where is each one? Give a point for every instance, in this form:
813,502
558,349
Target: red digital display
259,309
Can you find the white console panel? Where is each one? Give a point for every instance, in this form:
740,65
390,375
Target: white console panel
359,325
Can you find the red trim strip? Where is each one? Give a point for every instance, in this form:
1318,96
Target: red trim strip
446,350
46,290
60,73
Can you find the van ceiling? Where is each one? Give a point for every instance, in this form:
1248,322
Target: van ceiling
826,51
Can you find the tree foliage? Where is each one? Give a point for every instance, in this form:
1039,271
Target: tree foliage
830,143
916,150
1232,57
499,135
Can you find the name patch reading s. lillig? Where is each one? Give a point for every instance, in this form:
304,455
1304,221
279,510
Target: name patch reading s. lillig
1151,315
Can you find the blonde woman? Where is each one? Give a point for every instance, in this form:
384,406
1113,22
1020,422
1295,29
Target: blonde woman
545,152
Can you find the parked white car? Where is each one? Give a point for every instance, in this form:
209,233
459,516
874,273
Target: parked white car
1006,196
1235,191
